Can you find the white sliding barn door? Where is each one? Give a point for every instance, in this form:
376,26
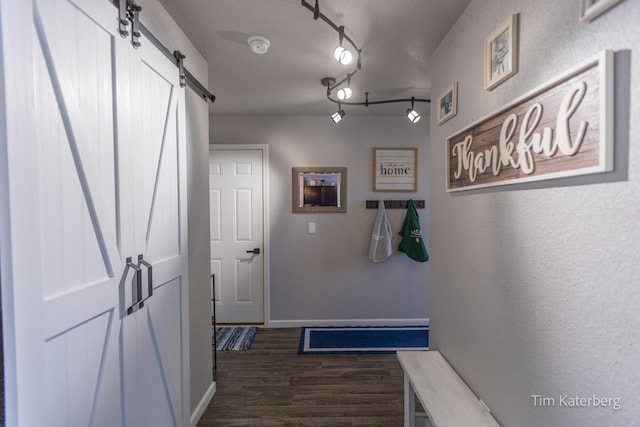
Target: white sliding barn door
155,335
92,174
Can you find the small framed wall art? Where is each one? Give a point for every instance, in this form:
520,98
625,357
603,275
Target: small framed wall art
591,9
395,169
501,53
448,103
319,189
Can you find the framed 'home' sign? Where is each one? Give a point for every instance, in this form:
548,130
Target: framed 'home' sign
563,128
395,169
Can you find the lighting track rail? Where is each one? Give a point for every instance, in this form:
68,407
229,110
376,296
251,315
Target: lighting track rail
344,56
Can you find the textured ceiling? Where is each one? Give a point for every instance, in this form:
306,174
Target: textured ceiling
396,38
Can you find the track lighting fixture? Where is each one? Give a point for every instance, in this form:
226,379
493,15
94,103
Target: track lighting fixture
412,114
345,56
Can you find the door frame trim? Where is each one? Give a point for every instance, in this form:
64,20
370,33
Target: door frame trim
266,317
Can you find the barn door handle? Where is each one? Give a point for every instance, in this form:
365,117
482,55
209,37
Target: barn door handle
255,251
142,262
137,283
137,298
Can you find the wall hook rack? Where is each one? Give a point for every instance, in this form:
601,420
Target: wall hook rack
395,204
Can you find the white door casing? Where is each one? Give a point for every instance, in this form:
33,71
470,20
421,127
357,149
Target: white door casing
236,192
93,172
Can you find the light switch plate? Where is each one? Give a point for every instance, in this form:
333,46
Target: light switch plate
312,227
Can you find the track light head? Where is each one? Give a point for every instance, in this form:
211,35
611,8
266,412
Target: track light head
412,115
342,55
338,115
344,93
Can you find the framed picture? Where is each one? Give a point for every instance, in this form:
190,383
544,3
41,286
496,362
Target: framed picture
395,169
448,103
591,9
501,53
319,189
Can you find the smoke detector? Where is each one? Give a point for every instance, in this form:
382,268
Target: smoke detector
259,44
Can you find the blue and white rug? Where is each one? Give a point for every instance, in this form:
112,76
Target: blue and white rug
234,338
366,339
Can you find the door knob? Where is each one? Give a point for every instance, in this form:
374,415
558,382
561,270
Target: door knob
255,251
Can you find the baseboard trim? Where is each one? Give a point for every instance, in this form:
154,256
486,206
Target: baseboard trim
347,322
202,405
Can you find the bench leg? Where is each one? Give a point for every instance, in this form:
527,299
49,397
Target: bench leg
409,403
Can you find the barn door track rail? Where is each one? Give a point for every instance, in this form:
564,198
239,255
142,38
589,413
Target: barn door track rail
129,25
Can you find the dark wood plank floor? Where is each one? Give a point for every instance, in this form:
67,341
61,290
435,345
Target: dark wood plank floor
271,385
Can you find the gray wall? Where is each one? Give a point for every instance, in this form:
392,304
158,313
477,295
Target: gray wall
326,278
155,17
534,288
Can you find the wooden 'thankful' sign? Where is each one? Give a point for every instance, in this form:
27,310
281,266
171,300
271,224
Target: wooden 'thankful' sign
563,128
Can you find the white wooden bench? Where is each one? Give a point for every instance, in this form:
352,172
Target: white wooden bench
446,399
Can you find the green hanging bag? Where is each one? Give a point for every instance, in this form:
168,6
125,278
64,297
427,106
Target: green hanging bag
412,243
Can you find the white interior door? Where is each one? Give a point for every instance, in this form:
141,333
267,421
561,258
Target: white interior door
237,229
92,173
